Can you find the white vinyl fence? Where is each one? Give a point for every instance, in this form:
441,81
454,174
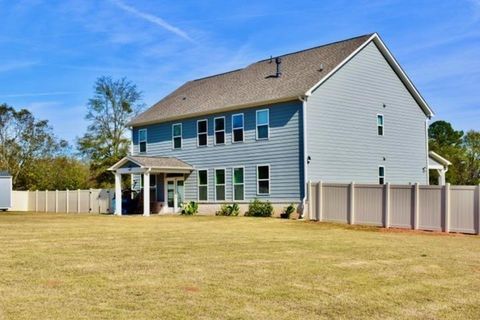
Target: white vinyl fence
437,208
69,201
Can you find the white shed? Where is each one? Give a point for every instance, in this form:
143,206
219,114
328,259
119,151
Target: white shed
5,191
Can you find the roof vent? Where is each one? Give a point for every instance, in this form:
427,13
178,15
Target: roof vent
321,67
278,61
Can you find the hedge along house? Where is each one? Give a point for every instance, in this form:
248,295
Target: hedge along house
340,112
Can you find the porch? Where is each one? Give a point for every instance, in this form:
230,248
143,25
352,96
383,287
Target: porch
172,170
440,164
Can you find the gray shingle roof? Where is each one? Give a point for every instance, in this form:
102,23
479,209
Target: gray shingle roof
253,84
160,162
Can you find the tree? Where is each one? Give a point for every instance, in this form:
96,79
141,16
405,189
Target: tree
58,173
471,143
113,105
24,139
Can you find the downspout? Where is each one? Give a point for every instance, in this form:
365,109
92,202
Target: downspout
427,149
305,167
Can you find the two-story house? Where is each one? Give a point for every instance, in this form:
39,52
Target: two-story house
340,112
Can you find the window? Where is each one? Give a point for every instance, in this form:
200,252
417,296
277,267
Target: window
220,184
237,127
202,133
380,124
263,123
220,130
263,179
142,140
202,185
238,184
177,136
381,175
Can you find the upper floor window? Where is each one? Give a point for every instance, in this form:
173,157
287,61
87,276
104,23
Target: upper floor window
142,140
381,175
202,133
220,184
263,124
263,179
219,130
237,127
380,124
177,135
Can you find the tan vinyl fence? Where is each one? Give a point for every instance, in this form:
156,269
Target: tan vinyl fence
437,208
69,201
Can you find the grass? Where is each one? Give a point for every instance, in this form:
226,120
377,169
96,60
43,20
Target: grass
59,266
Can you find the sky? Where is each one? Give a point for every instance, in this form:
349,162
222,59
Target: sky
53,51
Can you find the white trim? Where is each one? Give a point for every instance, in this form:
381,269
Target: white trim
174,136
243,127
438,158
201,185
238,184
384,175
268,124
198,134
269,180
224,184
382,125
305,152
215,131
140,141
393,63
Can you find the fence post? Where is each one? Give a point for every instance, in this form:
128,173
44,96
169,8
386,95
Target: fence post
67,200
319,213
56,200
416,202
351,200
36,200
386,209
478,209
309,190
89,200
78,200
446,209
46,200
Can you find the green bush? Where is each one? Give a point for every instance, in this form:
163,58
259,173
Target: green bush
228,210
258,208
189,208
287,211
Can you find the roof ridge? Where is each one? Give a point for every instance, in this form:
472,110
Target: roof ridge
283,55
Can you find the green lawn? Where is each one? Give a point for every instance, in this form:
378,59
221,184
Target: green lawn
59,266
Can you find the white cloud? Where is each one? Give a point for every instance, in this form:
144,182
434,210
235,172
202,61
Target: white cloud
14,65
36,94
152,19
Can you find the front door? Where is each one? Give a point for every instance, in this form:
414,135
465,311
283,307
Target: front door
175,194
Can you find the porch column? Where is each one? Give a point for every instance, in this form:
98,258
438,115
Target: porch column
146,193
118,194
441,177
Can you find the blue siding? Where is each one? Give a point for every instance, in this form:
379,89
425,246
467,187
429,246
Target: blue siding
342,125
283,152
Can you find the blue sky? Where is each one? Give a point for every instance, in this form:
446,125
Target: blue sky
52,51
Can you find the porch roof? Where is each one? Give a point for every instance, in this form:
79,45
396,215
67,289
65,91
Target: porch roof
435,161
152,163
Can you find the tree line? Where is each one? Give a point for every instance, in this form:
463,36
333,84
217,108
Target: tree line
38,160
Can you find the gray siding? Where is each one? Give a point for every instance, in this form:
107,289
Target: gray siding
283,152
342,138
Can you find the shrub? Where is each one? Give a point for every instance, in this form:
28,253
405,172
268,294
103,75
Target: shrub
228,210
189,208
258,208
287,211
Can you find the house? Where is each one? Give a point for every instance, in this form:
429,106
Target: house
5,191
340,112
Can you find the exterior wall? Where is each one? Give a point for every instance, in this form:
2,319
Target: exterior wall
342,138
283,152
5,192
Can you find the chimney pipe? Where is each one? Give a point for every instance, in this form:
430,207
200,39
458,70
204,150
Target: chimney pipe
278,61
